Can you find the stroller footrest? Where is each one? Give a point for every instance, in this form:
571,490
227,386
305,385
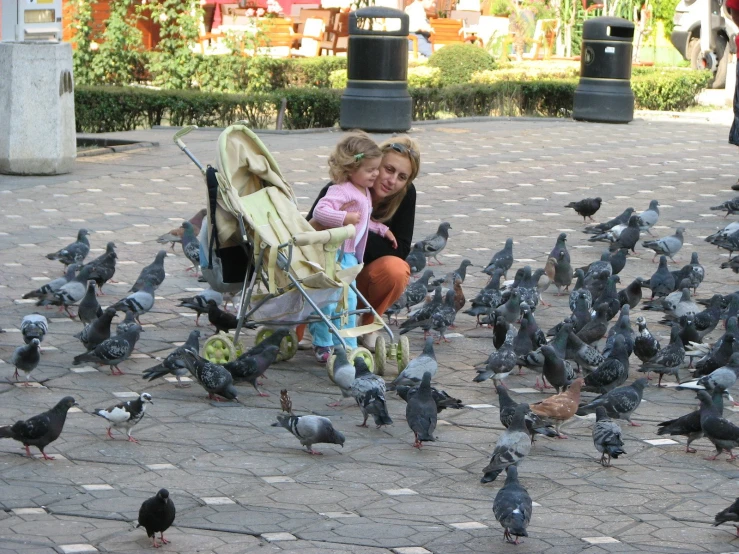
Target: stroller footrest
360,330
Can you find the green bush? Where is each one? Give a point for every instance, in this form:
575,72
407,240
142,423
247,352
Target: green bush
668,90
458,62
338,79
419,76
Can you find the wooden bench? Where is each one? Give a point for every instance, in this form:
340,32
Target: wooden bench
449,31
336,37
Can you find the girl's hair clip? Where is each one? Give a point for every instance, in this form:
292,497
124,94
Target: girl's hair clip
358,157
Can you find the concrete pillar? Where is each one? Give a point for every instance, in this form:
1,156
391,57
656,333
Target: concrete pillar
37,133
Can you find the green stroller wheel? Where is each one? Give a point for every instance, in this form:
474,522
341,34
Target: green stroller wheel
288,346
404,353
361,351
380,356
219,349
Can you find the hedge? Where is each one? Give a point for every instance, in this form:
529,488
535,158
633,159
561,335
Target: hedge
108,109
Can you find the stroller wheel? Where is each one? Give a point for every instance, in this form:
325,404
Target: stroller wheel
219,349
288,346
404,353
361,351
380,356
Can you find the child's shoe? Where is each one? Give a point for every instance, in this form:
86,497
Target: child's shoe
322,353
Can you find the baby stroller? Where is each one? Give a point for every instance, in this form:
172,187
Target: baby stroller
285,268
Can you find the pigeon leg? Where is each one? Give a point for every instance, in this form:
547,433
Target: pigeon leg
154,542
161,536
180,384
131,439
689,450
364,423
314,452
263,394
731,456
634,424
545,304
713,458
110,434
28,451
45,456
70,314
659,382
117,370
17,377
197,320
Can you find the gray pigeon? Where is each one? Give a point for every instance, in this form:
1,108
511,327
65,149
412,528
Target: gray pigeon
102,268
344,374
488,298
730,206
513,445
597,327
434,244
418,367
152,274
619,403
191,246
667,246
721,432
127,324
422,316
89,308
612,373
173,364
458,275
251,368
34,326
554,370
26,358
646,346
125,414
662,282
502,260
112,351
441,398
730,514
721,379
586,356
499,364
47,291
675,305
415,292
649,217
73,253
580,289
416,259
310,430
631,295
607,437
41,430
563,272
513,507
510,312
369,392
97,331
199,302
629,237
586,207
560,246
689,425
610,224
214,378
420,412
138,303
69,294
535,424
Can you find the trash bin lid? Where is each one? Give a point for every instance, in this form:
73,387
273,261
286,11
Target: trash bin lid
358,17
608,28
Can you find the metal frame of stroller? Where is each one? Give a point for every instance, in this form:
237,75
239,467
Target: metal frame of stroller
269,257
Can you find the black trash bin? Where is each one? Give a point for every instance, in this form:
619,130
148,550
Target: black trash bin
376,96
604,93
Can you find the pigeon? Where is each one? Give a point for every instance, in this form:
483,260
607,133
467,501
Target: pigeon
612,373
344,374
563,273
730,206
732,264
174,236
554,370
488,298
502,260
97,331
34,326
675,305
623,328
73,253
69,294
579,289
513,445
129,321
40,430
646,346
418,367
610,224
422,316
434,244
173,363
560,407
125,414
369,392
26,358
689,425
442,399
611,236
138,303
717,358
595,268
628,237
153,274
222,320
534,423
584,355
420,412
251,368
513,507
191,246
631,295
609,297
310,430
499,364
452,277
717,237
597,285
619,403
730,514
596,328
667,246
662,282
275,339
443,317
510,312
699,272
581,315
46,292
617,260
214,378
649,217
199,302
720,379
415,292
112,351
156,515
607,437
102,268
89,308
721,432
416,259
560,246
586,208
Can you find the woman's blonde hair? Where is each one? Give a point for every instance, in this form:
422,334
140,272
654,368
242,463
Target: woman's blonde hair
404,146
349,153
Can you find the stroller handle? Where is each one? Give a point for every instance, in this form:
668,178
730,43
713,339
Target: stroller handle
335,236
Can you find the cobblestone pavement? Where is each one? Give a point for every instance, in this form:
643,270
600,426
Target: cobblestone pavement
242,486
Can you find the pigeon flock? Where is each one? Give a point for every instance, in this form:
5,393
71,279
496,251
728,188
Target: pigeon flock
583,365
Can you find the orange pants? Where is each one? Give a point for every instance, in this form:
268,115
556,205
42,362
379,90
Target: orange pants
381,282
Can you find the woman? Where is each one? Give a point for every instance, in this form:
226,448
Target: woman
732,6
386,273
